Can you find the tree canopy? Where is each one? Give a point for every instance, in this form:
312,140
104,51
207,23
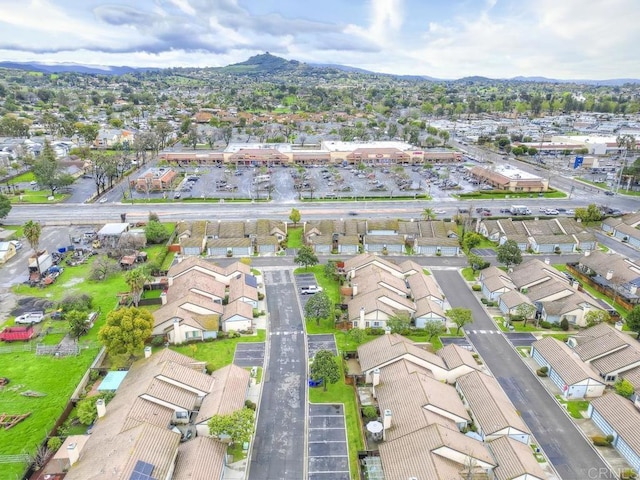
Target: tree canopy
156,232
136,279
324,368
633,319
295,216
125,332
48,171
509,253
236,427
460,316
5,206
306,257
319,306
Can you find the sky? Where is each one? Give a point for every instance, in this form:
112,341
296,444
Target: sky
564,39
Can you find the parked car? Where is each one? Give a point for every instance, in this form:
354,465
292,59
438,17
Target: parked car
609,192
551,211
16,244
310,290
30,317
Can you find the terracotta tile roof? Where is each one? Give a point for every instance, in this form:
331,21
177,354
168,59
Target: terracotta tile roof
228,394
562,360
196,282
492,409
388,348
455,356
201,458
515,460
623,417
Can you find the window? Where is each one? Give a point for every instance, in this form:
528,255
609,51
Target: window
610,378
355,323
376,324
192,334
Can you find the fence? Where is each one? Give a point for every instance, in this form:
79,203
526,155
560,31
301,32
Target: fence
57,350
25,347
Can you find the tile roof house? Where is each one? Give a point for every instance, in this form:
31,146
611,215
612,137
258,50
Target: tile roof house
193,304
624,229
138,425
573,377
617,416
447,365
493,413
609,352
381,289
613,272
515,461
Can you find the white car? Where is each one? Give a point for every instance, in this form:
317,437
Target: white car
310,290
570,212
30,317
440,212
551,211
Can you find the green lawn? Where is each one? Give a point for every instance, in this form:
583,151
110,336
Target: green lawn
344,394
37,196
294,237
574,407
469,274
57,378
329,285
491,194
24,177
217,353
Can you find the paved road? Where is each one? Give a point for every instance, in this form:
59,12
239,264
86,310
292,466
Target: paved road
618,246
280,441
565,447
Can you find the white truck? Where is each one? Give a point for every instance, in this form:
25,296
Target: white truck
45,261
29,317
519,210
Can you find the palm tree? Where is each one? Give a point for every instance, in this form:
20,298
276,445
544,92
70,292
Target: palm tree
32,231
136,280
428,214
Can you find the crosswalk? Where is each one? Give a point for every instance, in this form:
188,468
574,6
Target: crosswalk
485,332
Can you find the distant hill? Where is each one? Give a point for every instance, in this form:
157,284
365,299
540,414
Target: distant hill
265,64
73,67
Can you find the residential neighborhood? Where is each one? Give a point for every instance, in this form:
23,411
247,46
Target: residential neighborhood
282,270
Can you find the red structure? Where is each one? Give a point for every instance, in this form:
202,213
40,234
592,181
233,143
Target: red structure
17,334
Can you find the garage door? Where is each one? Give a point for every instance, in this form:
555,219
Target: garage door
627,452
538,358
602,424
553,375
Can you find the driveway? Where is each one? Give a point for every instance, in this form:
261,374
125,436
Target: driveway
565,447
279,449
521,339
321,342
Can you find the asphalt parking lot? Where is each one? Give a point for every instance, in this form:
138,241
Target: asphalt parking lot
460,341
249,355
319,182
315,343
520,339
304,280
328,451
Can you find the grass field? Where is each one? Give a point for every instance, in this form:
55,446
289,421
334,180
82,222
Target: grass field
329,285
218,353
344,394
574,407
294,237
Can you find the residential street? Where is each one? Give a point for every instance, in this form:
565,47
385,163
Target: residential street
565,447
279,445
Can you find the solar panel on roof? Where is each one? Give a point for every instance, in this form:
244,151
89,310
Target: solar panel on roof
251,281
142,471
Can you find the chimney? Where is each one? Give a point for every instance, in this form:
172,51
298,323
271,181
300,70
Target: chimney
361,325
73,453
609,274
375,377
547,261
101,408
177,333
147,352
386,422
354,289
352,273
575,284
633,289
587,253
